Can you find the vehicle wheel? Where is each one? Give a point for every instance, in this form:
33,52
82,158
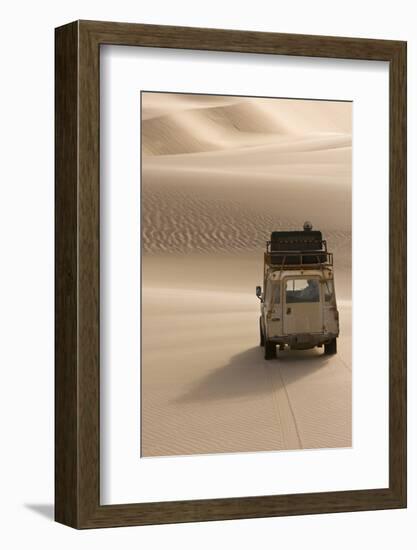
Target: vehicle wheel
270,350
331,347
261,333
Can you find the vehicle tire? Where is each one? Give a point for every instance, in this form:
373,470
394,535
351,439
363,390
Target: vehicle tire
261,333
331,347
270,350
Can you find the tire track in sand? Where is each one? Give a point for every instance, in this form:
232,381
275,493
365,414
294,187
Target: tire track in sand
282,405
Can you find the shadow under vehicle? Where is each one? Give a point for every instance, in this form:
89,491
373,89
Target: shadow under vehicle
298,300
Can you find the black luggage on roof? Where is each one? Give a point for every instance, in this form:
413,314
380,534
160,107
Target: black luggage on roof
297,248
296,240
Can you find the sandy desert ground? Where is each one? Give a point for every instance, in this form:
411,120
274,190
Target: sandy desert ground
218,175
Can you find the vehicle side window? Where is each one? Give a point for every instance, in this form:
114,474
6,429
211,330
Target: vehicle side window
302,291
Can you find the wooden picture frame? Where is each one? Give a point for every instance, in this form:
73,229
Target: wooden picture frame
77,370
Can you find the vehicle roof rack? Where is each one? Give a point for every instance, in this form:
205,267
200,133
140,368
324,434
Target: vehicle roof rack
299,259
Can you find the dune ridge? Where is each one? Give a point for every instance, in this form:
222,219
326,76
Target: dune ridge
200,124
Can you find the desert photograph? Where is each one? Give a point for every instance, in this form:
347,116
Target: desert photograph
219,175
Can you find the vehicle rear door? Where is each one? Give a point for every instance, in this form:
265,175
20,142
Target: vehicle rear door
302,308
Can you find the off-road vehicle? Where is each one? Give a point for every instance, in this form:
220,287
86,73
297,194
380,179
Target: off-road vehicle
298,301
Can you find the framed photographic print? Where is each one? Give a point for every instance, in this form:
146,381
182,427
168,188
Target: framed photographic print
230,274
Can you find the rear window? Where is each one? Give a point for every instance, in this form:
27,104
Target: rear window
302,291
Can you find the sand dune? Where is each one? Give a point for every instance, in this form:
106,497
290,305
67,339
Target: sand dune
188,125
218,175
156,104
202,199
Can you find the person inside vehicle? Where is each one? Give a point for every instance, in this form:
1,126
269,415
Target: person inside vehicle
311,292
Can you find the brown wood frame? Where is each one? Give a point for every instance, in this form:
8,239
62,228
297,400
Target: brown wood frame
77,358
